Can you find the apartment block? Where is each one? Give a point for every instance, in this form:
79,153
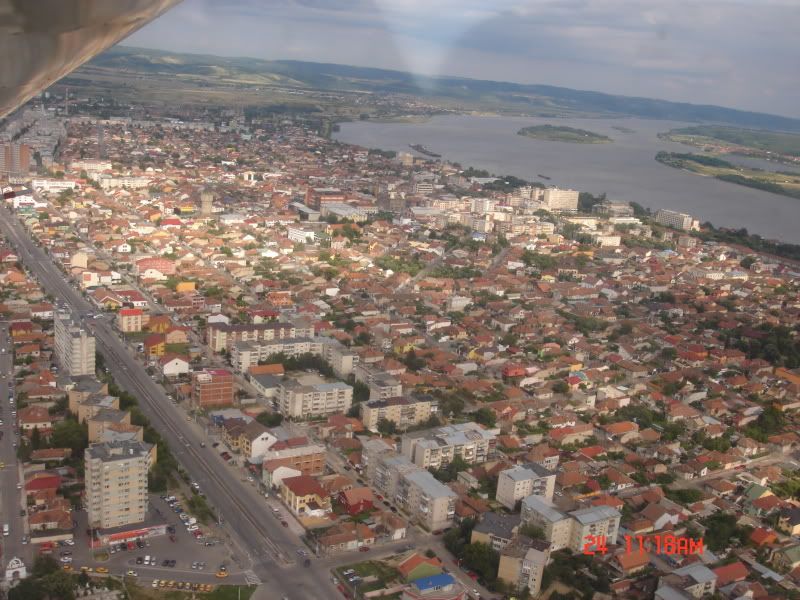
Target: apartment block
403,412
557,526
434,448
425,499
558,200
522,481
116,482
678,220
246,354
222,336
308,459
310,396
522,564
571,530
74,346
212,387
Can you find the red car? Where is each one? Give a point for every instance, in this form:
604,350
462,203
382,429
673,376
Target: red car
364,549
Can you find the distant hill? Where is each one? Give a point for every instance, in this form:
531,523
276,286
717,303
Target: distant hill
521,98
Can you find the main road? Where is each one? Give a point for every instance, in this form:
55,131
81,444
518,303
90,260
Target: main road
268,548
10,493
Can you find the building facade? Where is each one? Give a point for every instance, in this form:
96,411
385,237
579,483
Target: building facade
212,387
74,346
116,482
435,448
312,396
522,481
403,412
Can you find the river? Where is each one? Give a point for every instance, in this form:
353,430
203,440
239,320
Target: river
625,169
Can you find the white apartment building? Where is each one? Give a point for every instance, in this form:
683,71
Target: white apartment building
435,448
74,346
311,396
299,235
247,354
53,185
403,412
116,482
522,481
413,489
558,200
678,220
571,530
522,565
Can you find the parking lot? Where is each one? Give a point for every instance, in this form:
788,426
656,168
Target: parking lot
178,556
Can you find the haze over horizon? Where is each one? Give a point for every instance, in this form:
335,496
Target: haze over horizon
738,54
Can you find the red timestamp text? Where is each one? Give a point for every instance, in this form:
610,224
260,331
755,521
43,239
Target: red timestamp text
658,543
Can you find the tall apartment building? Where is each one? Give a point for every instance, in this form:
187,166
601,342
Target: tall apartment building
413,489
571,530
15,159
116,482
558,200
212,387
522,564
74,346
522,481
385,386
435,448
312,396
403,412
678,220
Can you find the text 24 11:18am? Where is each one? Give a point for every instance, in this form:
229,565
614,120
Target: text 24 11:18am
659,544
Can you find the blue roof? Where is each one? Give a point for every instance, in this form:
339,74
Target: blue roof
434,581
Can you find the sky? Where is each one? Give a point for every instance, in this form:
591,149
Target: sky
737,53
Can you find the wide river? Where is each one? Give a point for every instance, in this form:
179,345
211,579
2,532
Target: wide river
625,169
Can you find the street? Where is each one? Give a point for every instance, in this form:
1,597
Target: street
10,472
264,545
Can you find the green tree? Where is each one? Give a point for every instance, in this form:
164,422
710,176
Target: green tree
360,391
485,416
270,419
386,427
482,559
70,434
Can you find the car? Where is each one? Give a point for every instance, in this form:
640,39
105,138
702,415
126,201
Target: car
284,523
101,570
66,559
192,528
221,574
165,563
364,549
386,502
194,565
215,444
393,509
21,512
155,583
140,560
132,573
172,538
172,563
85,569
69,542
24,539
67,568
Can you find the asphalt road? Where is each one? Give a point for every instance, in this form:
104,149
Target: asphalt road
266,546
9,474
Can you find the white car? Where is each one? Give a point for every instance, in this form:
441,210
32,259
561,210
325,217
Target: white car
132,573
192,528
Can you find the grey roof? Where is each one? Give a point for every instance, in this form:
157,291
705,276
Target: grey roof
699,573
499,525
546,509
431,486
118,450
528,471
667,592
594,514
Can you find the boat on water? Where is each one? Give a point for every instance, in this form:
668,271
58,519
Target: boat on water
423,150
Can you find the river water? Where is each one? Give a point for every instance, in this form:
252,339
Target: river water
625,169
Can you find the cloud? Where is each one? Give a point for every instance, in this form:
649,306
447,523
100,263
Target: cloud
740,53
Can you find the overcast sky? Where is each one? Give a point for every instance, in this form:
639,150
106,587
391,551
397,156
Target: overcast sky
738,53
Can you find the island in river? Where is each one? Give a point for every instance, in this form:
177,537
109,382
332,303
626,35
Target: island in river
779,182
561,133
